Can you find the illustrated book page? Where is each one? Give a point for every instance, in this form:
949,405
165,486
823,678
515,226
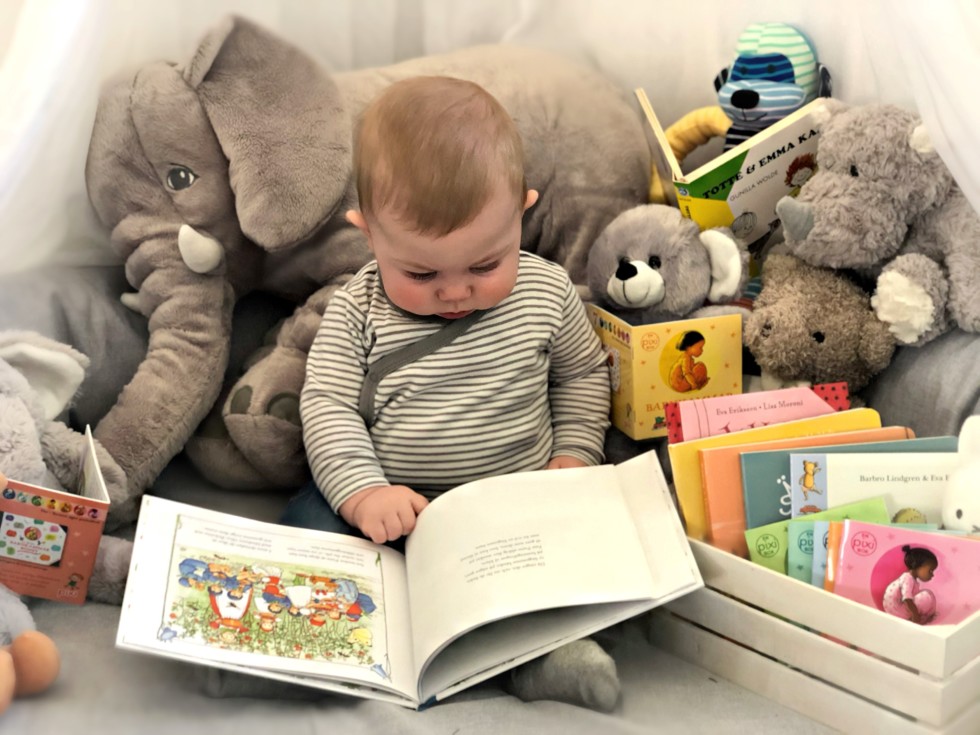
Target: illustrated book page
49,538
496,572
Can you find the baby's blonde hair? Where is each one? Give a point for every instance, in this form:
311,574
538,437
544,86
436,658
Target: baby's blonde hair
434,150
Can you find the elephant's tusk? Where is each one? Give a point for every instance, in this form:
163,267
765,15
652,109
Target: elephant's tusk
201,253
131,301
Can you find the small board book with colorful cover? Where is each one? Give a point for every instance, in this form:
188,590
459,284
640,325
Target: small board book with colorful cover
768,545
739,189
930,578
725,496
685,457
818,569
699,417
820,531
49,538
912,483
648,364
766,476
496,572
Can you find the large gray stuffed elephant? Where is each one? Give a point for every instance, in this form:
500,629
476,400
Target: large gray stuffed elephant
232,172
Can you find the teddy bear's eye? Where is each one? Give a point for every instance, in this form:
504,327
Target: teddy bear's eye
959,513
654,262
853,170
818,337
180,177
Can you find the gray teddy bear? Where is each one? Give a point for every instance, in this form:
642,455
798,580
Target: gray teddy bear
883,203
651,265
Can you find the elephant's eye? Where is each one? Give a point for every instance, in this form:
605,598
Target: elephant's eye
853,171
818,337
654,262
180,177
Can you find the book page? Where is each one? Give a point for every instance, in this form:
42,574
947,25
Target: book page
237,593
508,642
519,543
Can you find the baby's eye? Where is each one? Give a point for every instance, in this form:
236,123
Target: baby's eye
485,268
420,276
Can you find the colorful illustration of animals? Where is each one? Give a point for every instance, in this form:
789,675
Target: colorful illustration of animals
327,610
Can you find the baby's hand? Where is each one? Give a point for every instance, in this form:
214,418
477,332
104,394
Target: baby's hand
384,512
564,461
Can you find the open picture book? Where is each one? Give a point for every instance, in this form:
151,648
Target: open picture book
496,572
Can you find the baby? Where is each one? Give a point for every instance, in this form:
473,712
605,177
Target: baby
515,379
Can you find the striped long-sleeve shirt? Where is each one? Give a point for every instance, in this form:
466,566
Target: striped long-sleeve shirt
527,382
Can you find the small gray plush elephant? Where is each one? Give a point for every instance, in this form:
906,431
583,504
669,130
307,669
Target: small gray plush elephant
231,172
38,377
883,202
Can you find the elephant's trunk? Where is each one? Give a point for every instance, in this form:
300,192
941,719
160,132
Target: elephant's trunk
178,382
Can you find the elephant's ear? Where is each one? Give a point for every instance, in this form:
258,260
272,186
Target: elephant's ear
53,370
282,125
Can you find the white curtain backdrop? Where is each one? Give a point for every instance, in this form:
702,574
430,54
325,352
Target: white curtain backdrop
55,54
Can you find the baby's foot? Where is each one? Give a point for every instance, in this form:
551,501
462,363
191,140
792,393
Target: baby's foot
578,673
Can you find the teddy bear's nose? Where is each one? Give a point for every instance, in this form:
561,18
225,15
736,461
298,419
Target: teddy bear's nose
745,99
626,270
766,329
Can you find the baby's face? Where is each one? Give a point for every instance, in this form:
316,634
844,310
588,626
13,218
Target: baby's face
472,268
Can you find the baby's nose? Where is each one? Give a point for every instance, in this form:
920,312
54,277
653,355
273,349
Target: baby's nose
454,292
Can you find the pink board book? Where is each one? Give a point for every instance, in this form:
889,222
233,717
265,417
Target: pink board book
693,419
937,572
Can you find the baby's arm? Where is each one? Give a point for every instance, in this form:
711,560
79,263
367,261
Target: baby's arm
580,391
338,444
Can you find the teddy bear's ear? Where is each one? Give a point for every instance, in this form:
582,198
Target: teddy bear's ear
920,140
877,346
53,370
826,109
778,265
728,264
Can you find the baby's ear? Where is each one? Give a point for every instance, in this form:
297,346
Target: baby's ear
355,217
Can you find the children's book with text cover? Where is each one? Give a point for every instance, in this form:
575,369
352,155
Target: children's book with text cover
912,483
700,417
767,482
927,577
651,365
49,538
739,189
497,572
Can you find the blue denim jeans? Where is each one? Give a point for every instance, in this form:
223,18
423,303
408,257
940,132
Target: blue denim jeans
308,509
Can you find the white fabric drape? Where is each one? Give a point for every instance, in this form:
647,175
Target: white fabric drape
55,54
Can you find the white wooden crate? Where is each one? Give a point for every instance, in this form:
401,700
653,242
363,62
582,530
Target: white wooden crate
907,678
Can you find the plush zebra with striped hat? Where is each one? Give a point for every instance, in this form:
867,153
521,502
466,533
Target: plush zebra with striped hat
775,72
